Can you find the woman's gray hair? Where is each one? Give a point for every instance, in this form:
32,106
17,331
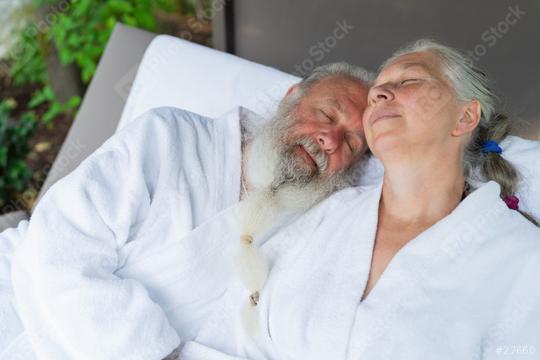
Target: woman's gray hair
471,83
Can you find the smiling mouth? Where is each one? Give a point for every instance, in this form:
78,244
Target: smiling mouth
383,116
307,157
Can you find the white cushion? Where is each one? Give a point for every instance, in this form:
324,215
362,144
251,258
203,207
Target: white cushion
525,156
182,74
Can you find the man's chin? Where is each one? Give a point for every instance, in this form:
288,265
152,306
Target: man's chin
303,176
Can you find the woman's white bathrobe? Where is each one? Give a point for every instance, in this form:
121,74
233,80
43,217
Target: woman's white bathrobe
467,288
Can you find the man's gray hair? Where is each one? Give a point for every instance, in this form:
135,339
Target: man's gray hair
337,69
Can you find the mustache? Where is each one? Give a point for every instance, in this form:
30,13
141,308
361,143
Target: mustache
313,149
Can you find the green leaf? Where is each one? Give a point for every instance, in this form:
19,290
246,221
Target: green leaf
120,6
41,96
111,21
73,102
81,7
129,20
54,110
87,73
74,40
145,20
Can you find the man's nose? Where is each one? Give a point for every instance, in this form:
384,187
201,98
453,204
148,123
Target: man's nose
380,93
328,141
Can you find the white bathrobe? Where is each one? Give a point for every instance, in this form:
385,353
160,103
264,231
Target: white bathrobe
466,288
149,185
144,262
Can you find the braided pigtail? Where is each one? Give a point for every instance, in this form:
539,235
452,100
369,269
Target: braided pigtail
492,165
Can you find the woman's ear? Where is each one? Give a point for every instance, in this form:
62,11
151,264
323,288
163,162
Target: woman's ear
470,117
292,89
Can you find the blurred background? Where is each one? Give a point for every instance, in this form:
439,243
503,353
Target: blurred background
500,36
50,49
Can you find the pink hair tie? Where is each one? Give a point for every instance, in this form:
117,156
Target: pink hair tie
512,202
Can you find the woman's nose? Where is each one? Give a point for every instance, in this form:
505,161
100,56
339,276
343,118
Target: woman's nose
380,93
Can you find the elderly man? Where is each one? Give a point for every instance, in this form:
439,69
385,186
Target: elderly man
130,256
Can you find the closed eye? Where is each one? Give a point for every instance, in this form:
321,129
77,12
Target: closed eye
409,81
328,117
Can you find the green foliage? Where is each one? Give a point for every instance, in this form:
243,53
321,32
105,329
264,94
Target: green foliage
14,136
46,95
78,30
27,65
82,30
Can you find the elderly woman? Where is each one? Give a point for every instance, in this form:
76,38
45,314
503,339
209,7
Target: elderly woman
431,121
436,262
443,263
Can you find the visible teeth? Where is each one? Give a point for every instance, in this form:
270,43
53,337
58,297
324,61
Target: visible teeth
315,152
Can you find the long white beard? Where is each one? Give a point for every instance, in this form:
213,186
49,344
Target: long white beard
271,166
279,181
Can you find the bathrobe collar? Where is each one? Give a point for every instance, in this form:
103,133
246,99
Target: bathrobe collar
325,259
404,281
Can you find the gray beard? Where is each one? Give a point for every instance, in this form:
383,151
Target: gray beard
280,181
272,167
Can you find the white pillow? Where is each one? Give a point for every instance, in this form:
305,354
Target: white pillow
525,156
182,74
179,73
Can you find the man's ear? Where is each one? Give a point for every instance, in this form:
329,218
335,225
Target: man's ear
292,89
470,117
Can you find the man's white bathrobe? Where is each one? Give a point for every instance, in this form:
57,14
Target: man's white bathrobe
149,185
155,277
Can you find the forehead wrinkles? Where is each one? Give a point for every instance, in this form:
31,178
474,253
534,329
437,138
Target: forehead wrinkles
339,83
332,102
430,63
406,61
